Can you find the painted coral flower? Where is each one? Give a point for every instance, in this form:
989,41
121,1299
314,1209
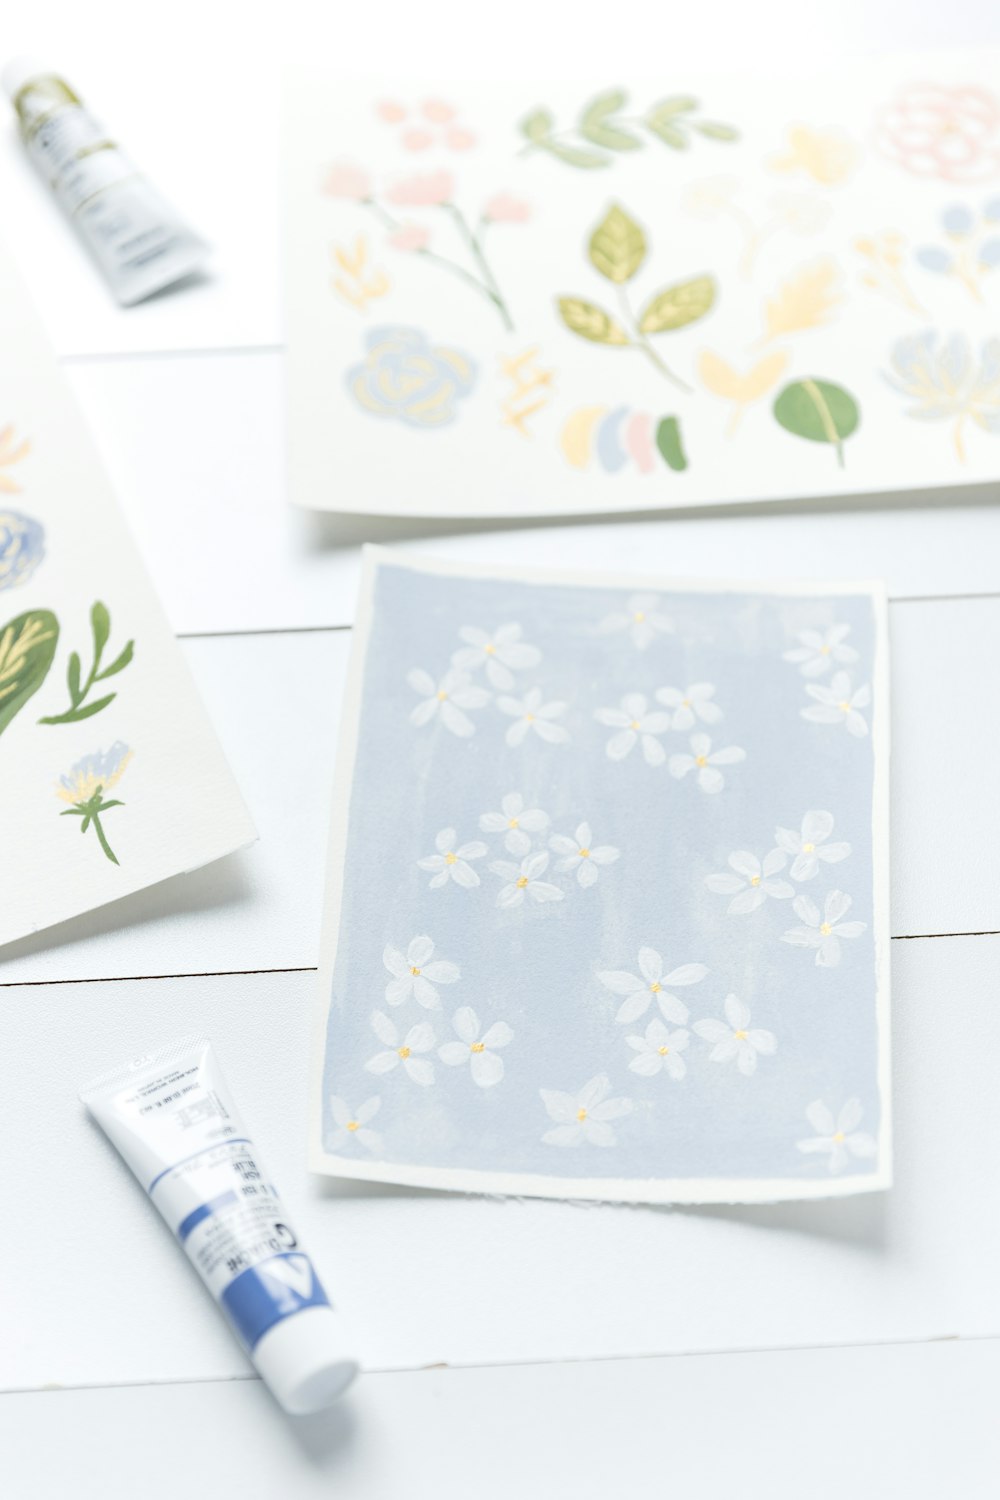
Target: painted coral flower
391,111
734,1040
640,990
659,1051
809,847
476,1047
531,715
409,237
449,698
22,547
352,1124
635,725
706,762
451,861
750,880
406,378
427,190
502,652
346,181
948,132
820,650
642,617
403,1051
503,208
839,704
947,382
823,932
525,880
584,1119
687,705
839,1139
516,822
417,973
582,855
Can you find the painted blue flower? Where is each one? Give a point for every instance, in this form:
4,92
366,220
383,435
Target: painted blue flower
991,211
22,547
958,219
989,253
934,258
405,377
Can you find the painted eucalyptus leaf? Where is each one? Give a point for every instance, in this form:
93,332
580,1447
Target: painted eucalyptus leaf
670,134
669,445
576,156
598,125
819,411
666,109
591,322
678,306
715,131
617,246
538,125
27,647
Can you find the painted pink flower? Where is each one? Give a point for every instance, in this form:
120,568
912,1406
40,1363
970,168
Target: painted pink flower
390,112
459,139
425,191
345,181
505,209
409,237
438,112
951,133
416,139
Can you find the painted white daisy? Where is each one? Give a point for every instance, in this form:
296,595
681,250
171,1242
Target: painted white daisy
634,725
808,847
525,880
706,762
581,854
531,714
501,651
486,1066
839,704
653,985
823,932
641,617
820,650
734,1040
837,1138
451,862
689,704
659,1051
449,698
352,1124
751,880
416,973
516,822
584,1118
403,1051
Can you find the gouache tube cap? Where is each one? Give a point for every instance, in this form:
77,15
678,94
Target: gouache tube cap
303,1360
22,70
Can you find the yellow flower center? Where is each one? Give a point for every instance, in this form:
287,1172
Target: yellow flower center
740,1036
663,1051
581,1114
639,616
530,718
477,1047
838,1136
844,706
825,929
685,703
414,970
701,760
490,649
450,859
352,1124
512,823
583,853
522,881
755,880
404,1052
634,724
824,650
442,695
808,848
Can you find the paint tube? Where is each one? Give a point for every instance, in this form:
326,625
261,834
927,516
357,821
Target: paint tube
133,234
171,1116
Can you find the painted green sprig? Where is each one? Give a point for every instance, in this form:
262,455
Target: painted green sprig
617,250
603,130
80,686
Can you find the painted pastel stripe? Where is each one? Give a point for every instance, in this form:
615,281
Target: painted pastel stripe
639,441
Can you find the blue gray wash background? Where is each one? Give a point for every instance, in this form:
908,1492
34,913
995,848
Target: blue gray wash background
536,966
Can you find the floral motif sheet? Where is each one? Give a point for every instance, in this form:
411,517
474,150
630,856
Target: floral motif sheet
607,896
111,777
530,299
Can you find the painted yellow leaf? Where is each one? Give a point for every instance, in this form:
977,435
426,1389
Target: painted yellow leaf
806,299
722,380
591,322
718,377
824,155
617,246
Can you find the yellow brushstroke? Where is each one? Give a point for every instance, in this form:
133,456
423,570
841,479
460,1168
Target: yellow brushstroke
576,435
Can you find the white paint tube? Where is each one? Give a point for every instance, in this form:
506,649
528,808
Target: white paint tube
172,1118
132,232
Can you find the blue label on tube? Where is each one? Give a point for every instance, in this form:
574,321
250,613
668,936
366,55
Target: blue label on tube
274,1289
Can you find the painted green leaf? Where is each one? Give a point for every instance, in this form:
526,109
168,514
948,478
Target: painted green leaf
537,125
119,664
598,126
678,305
617,246
576,156
669,445
73,677
715,131
670,134
27,646
100,625
666,109
818,410
591,322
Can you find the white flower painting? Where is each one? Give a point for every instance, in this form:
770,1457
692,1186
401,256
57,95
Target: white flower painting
823,931
809,847
501,652
477,1049
734,1040
447,699
581,855
584,1119
837,1138
524,882
533,716
651,983
352,1125
705,763
451,862
750,881
417,973
516,822
691,705
839,704
635,725
820,651
659,1051
403,1050
643,619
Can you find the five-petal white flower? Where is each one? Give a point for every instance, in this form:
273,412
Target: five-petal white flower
838,704
401,1050
451,863
634,723
352,1125
734,1038
837,1138
641,617
525,880
823,932
501,651
654,984
416,974
820,650
753,880
448,698
581,854
584,1118
706,762
659,1051
486,1066
689,704
530,713
808,847
516,822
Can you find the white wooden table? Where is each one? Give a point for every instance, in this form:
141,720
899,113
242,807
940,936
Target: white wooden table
805,1349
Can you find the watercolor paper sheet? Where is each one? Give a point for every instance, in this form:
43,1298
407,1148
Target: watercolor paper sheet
531,299
111,777
606,913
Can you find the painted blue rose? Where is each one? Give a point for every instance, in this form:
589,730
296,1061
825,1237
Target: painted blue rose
406,377
22,547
